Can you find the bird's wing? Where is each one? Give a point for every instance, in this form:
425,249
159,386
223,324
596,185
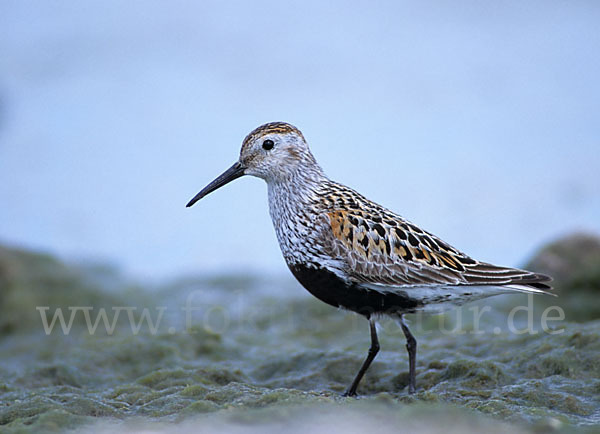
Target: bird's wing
382,248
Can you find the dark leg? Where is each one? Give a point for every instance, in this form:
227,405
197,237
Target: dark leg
373,350
411,347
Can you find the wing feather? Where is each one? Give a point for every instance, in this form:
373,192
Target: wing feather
381,247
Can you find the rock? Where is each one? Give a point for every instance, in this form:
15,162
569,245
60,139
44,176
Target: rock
29,280
573,261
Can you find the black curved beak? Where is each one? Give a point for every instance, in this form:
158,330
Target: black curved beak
234,172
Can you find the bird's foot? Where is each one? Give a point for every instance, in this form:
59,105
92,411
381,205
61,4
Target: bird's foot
412,384
350,394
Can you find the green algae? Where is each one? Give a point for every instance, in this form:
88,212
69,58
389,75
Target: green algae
249,354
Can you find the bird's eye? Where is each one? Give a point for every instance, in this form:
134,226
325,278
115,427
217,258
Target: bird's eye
268,145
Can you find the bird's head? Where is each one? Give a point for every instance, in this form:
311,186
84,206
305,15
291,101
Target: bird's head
275,152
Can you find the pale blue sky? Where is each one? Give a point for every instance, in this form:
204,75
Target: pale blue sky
477,120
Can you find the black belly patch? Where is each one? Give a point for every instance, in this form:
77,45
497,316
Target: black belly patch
329,288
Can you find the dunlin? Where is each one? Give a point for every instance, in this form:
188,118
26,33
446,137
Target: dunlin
352,253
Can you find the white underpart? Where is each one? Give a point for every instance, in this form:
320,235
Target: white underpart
438,298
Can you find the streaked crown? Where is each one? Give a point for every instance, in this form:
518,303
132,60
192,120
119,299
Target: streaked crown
272,128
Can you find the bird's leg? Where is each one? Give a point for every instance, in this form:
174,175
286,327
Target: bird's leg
373,350
411,347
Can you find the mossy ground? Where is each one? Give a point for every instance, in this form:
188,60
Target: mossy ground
246,353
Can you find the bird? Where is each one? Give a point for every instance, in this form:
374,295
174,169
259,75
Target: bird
355,254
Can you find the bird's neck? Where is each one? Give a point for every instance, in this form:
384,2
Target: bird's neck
293,206
295,191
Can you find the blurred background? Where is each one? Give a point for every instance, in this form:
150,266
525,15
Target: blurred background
476,120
